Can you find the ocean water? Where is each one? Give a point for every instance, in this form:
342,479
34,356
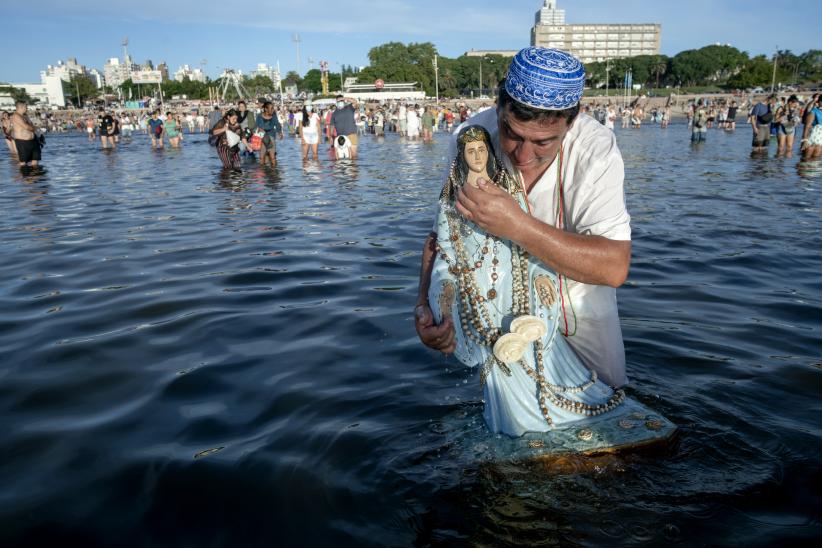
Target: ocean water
199,358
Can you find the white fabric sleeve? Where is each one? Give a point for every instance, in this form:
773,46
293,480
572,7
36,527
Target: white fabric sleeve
598,194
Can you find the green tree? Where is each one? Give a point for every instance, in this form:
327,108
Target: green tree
259,85
711,64
80,89
18,94
312,81
756,72
395,62
810,66
292,79
659,67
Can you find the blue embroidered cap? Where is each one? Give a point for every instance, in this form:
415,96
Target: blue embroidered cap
544,78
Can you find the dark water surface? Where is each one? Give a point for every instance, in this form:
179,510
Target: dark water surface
191,358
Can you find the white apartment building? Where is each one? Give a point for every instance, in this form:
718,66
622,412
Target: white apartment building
97,77
71,68
116,72
195,75
48,93
593,42
263,69
65,71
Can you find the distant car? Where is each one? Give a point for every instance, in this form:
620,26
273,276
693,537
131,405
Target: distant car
757,90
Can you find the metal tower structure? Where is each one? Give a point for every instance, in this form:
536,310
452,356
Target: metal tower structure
297,40
232,79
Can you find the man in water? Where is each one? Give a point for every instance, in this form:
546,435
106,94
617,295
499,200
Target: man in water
106,124
730,118
156,129
573,175
344,123
214,116
25,139
699,130
761,118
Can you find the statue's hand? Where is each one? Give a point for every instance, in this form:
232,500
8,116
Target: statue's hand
489,207
440,337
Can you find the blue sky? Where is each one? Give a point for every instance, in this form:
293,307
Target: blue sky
242,34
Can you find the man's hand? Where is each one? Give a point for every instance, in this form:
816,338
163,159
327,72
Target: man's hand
490,208
439,337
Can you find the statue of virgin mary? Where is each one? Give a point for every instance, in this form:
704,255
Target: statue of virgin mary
505,306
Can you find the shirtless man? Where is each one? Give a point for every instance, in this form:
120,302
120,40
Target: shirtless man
28,147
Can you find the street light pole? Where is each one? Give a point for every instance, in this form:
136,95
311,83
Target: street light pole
607,74
436,78
480,87
773,78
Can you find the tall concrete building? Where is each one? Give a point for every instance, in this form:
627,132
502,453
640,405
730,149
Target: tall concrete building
593,41
185,71
65,70
163,68
115,72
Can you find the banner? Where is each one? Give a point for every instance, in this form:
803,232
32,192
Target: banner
146,77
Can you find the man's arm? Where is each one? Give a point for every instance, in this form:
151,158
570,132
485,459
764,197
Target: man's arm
588,259
21,120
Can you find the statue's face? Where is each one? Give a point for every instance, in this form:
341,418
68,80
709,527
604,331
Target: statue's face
476,156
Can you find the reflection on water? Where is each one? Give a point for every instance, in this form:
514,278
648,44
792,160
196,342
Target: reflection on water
193,355
809,169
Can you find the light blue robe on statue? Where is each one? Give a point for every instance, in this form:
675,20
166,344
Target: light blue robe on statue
511,403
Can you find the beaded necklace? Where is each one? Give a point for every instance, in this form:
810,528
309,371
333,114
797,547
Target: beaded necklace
560,216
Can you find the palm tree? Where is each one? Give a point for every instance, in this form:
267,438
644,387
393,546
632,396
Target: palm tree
447,81
659,67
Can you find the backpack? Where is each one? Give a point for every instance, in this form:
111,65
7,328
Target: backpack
700,118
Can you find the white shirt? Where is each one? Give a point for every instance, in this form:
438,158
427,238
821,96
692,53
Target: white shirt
413,120
593,177
313,123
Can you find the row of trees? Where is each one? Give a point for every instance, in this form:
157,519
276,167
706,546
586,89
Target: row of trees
397,62
722,66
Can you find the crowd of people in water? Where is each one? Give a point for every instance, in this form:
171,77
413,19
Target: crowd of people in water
242,131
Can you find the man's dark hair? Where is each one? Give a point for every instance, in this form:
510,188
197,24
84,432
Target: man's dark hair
20,102
240,103
525,113
340,96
